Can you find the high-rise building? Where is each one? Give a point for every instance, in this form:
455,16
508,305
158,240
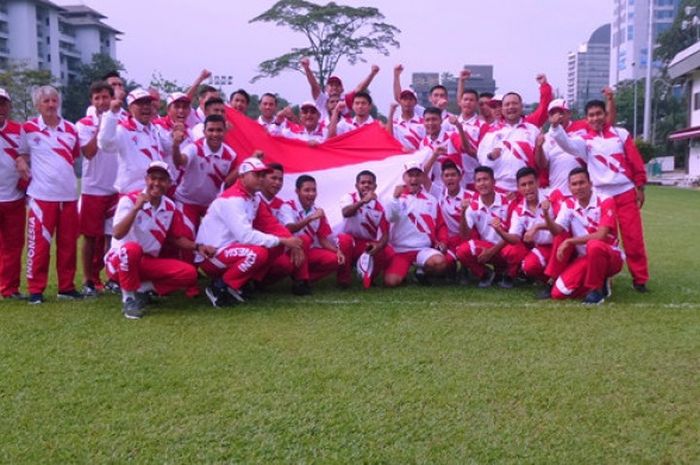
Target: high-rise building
629,40
47,36
588,68
481,80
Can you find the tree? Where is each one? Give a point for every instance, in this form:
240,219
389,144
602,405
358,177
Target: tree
333,32
19,81
76,96
676,38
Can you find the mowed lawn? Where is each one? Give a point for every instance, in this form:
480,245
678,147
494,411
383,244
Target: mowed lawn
433,375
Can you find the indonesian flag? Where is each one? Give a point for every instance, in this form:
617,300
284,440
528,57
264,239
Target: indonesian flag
334,163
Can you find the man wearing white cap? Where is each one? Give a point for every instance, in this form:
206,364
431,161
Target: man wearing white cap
51,145
245,235
143,222
135,140
312,129
416,218
406,127
173,131
12,202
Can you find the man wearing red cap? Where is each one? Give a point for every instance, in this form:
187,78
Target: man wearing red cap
407,127
144,220
12,202
244,234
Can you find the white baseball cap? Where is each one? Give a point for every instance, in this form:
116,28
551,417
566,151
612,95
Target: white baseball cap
176,97
412,165
137,94
5,95
252,165
308,104
158,166
559,103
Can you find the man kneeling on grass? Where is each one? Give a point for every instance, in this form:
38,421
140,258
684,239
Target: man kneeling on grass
144,220
591,220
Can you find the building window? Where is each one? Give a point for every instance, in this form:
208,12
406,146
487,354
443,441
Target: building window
630,32
696,101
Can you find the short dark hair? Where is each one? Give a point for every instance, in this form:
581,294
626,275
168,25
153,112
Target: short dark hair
594,104
579,170
242,92
520,99
484,169
436,87
365,173
450,165
276,166
302,179
268,94
111,74
214,119
213,101
205,89
99,86
432,111
470,91
364,95
525,171
486,94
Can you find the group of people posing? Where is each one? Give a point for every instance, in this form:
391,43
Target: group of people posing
493,198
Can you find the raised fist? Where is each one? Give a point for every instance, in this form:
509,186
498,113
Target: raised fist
305,62
465,74
541,78
375,69
398,69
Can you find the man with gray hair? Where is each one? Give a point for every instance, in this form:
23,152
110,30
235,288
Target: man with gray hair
50,146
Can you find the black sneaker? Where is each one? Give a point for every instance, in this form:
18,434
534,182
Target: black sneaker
89,290
641,288
236,294
145,298
70,295
488,279
218,297
113,287
132,309
545,293
421,277
301,287
464,277
595,297
506,282
36,299
16,296
248,291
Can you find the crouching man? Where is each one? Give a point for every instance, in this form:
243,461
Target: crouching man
144,220
245,236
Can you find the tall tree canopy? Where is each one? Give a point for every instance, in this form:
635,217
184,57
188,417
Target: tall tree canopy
333,32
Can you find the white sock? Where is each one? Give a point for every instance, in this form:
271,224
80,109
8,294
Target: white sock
146,286
128,295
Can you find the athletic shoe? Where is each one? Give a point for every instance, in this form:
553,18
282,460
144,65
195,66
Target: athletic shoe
488,279
301,288
36,299
132,309
236,294
113,287
70,295
248,291
642,288
545,293
464,277
594,298
15,296
89,290
421,277
607,288
145,298
218,297
506,282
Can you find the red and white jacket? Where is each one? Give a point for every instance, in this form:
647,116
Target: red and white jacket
559,161
409,132
204,172
52,152
238,217
317,229
415,221
100,171
299,132
276,206
451,207
453,146
479,216
368,223
580,221
614,163
522,219
10,138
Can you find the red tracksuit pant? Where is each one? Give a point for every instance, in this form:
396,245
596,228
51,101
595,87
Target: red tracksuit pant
322,262
131,267
237,264
45,219
282,266
352,248
629,218
192,216
12,222
532,262
588,272
468,255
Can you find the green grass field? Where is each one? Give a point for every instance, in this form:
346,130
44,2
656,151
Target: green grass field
435,375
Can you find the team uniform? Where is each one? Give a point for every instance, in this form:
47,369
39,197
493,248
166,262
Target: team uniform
472,129
53,205
409,132
478,217
415,220
164,126
245,234
136,145
451,209
367,225
532,258
299,132
134,259
561,163
595,260
350,124
98,199
453,146
322,103
616,169
272,127
12,210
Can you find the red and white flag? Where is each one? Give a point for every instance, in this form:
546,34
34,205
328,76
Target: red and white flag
334,163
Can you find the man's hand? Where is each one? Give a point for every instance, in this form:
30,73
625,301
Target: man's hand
120,94
486,255
539,142
561,251
115,106
207,251
375,69
392,107
439,151
204,75
541,79
465,74
555,118
368,197
259,154
453,120
441,246
341,257
297,256
640,197
442,103
317,215
305,63
464,204
529,235
141,200
608,93
545,205
372,249
340,107
22,168
292,242
398,190
178,133
398,69
495,153
496,223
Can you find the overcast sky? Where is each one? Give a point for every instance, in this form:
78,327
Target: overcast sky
519,37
